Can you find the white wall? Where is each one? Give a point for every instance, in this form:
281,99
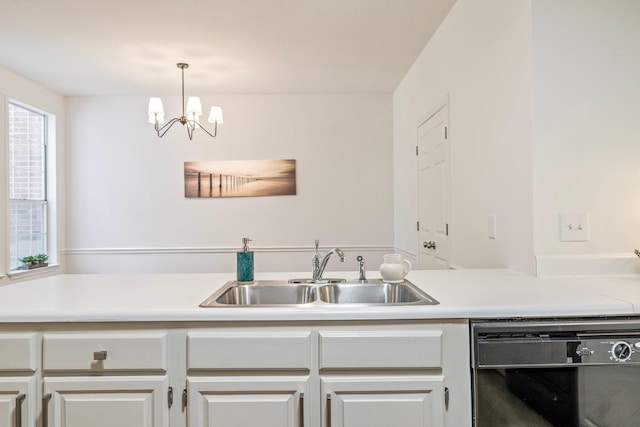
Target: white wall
586,67
16,87
127,210
481,58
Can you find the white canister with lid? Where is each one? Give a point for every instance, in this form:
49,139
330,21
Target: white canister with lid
394,269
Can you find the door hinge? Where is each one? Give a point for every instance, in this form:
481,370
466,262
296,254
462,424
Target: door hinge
418,225
446,229
446,398
416,150
184,399
446,132
170,397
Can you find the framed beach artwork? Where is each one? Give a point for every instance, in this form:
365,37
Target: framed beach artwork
239,178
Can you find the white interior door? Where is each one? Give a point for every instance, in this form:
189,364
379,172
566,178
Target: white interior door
433,191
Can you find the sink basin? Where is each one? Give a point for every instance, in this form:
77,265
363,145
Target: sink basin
261,293
282,293
374,292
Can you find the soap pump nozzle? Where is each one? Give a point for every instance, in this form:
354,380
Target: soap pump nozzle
245,244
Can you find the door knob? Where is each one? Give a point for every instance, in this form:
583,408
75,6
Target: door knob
425,245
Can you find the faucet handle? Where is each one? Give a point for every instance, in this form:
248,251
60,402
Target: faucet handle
362,278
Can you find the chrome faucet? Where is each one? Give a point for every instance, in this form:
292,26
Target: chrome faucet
320,264
363,277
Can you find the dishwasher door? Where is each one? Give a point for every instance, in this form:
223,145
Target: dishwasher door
579,376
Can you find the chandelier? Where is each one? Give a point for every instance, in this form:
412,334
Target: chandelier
190,115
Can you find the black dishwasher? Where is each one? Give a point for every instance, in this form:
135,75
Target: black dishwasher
556,372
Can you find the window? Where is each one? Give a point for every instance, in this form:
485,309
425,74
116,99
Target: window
28,218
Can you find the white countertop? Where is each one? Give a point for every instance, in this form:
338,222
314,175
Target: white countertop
175,297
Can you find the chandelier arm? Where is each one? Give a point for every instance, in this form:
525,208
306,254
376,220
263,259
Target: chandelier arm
215,130
190,131
192,125
162,130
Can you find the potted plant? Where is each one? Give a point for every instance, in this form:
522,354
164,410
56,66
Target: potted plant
27,262
34,261
40,260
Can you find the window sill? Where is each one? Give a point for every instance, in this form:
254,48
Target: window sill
20,274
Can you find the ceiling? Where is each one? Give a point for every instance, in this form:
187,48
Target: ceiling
130,47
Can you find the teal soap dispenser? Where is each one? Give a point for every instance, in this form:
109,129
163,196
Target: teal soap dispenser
244,262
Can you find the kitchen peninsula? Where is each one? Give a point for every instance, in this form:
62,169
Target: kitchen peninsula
138,350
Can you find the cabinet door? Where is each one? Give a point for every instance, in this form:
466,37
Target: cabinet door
383,402
17,401
106,402
248,401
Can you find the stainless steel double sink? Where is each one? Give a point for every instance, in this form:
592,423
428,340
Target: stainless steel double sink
303,292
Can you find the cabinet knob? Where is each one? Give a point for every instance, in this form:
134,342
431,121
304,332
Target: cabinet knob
100,355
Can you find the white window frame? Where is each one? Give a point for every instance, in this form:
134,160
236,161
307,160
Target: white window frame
49,189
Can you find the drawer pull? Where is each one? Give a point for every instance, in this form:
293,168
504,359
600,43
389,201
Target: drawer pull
100,355
328,409
19,399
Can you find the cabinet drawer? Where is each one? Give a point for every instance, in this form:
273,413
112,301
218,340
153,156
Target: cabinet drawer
381,349
249,350
105,352
18,352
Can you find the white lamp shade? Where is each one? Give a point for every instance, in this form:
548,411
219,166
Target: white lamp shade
215,116
194,106
155,106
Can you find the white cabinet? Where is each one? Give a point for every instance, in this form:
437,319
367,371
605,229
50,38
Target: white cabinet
106,402
381,377
105,379
17,401
416,401
18,379
248,401
236,374
246,377
349,374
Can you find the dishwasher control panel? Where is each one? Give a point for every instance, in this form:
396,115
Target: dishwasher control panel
526,343
607,350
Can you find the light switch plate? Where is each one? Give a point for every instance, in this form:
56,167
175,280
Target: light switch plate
492,226
574,227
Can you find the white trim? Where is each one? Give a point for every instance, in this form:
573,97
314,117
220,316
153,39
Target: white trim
405,252
19,274
215,250
444,102
554,265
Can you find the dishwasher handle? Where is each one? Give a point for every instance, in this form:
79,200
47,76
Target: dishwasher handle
512,353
